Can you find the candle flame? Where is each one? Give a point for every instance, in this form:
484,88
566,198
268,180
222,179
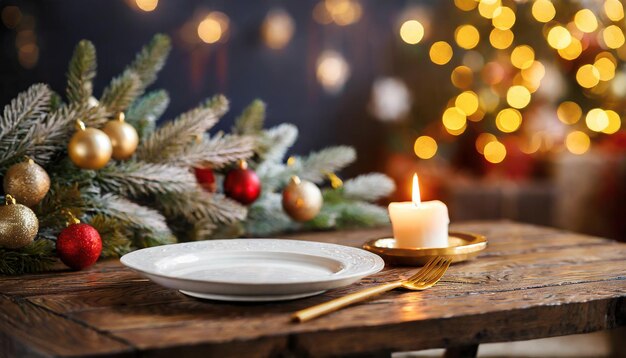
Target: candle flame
416,191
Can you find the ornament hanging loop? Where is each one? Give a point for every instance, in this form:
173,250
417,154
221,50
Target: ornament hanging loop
10,200
295,179
242,164
80,125
120,116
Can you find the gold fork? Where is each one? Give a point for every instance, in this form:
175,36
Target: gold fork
425,278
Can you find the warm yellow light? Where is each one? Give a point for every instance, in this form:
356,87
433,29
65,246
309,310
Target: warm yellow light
613,36
586,21
569,112
440,53
416,198
518,96
412,32
277,28
482,140
466,36
425,147
213,27
494,152
534,73
332,71
454,119
467,102
508,120
606,68
462,77
543,10
597,120
615,122
488,99
503,18
577,142
559,38
477,116
147,5
572,51
614,10
487,8
342,12
466,5
587,76
456,132
522,56
501,39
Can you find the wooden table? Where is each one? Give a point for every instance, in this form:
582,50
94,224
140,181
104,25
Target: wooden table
531,282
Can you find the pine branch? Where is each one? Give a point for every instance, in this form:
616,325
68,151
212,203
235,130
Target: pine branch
348,214
199,205
50,211
35,257
218,103
329,160
121,92
250,122
266,216
82,71
368,187
115,242
150,60
171,140
216,152
136,179
274,143
144,113
274,175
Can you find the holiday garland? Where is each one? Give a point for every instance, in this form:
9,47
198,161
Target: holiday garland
132,185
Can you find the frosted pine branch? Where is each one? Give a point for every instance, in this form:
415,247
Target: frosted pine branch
121,92
216,152
136,179
199,205
219,104
171,139
251,120
329,160
144,112
81,72
274,143
368,187
150,60
136,215
266,216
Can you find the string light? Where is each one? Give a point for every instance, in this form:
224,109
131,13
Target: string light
518,96
586,21
606,68
572,51
501,39
614,10
508,120
467,36
503,18
454,119
543,10
411,32
587,76
425,147
440,53
559,38
522,56
613,36
487,8
467,102
577,142
213,27
597,120
615,122
569,112
494,152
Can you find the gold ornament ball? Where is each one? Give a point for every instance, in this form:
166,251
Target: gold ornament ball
27,182
302,200
90,148
18,225
123,136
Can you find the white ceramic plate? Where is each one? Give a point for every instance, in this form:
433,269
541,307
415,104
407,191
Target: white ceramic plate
253,269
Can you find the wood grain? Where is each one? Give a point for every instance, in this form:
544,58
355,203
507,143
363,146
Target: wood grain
531,282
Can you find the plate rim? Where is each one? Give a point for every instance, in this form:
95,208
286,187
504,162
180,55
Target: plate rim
379,264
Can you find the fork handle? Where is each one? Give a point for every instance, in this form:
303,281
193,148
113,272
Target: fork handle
333,305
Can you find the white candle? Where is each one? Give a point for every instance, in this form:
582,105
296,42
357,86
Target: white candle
419,224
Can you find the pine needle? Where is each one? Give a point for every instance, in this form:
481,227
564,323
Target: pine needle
368,187
274,143
250,122
35,257
216,152
81,73
144,113
199,205
317,165
150,60
115,242
172,139
121,92
136,179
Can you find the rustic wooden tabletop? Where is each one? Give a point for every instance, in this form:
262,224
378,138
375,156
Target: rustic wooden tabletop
531,282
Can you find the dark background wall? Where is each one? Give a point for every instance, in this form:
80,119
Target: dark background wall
242,68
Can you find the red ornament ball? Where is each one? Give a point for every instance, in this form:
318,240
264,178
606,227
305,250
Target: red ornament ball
206,179
79,246
242,184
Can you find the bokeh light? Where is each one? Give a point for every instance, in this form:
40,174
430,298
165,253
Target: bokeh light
277,29
482,140
606,68
467,36
586,21
577,142
454,119
569,112
332,71
572,51
503,18
559,38
467,102
614,10
543,10
440,53
11,16
615,122
587,76
508,120
487,8
462,77
411,32
501,39
466,5
613,36
522,56
518,96
213,27
597,120
147,5
494,152
425,147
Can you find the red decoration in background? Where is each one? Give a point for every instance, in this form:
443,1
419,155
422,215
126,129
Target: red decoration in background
79,246
206,179
242,184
